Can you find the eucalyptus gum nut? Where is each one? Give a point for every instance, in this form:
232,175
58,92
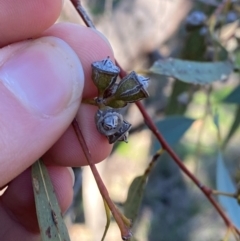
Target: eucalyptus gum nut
122,134
109,99
132,88
103,80
124,137
104,74
108,122
110,91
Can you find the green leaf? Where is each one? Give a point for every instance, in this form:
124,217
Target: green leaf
225,184
50,220
173,128
108,216
192,71
234,96
134,197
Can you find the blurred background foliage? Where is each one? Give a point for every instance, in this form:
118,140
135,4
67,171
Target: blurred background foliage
142,32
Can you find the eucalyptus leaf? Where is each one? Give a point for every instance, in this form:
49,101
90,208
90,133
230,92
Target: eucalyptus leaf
50,220
108,216
225,184
134,197
192,71
173,128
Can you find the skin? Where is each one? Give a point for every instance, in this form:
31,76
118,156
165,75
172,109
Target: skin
26,133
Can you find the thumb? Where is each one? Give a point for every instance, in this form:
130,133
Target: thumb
41,83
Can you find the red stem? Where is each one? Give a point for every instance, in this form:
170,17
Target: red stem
78,6
125,232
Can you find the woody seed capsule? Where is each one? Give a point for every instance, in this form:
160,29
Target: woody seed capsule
122,134
132,88
104,74
108,121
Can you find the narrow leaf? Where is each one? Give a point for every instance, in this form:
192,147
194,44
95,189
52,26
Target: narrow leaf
172,128
192,71
50,220
134,197
108,216
225,184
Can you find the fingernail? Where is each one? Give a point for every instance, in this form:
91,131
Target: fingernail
72,175
46,75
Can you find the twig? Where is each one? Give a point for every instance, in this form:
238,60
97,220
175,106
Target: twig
78,6
227,194
152,162
125,232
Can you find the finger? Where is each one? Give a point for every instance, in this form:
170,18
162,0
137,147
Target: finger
89,45
67,150
41,82
25,19
19,206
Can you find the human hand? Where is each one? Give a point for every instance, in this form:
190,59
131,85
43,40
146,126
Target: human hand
42,83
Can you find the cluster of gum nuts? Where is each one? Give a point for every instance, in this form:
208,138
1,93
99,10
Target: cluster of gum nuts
114,95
